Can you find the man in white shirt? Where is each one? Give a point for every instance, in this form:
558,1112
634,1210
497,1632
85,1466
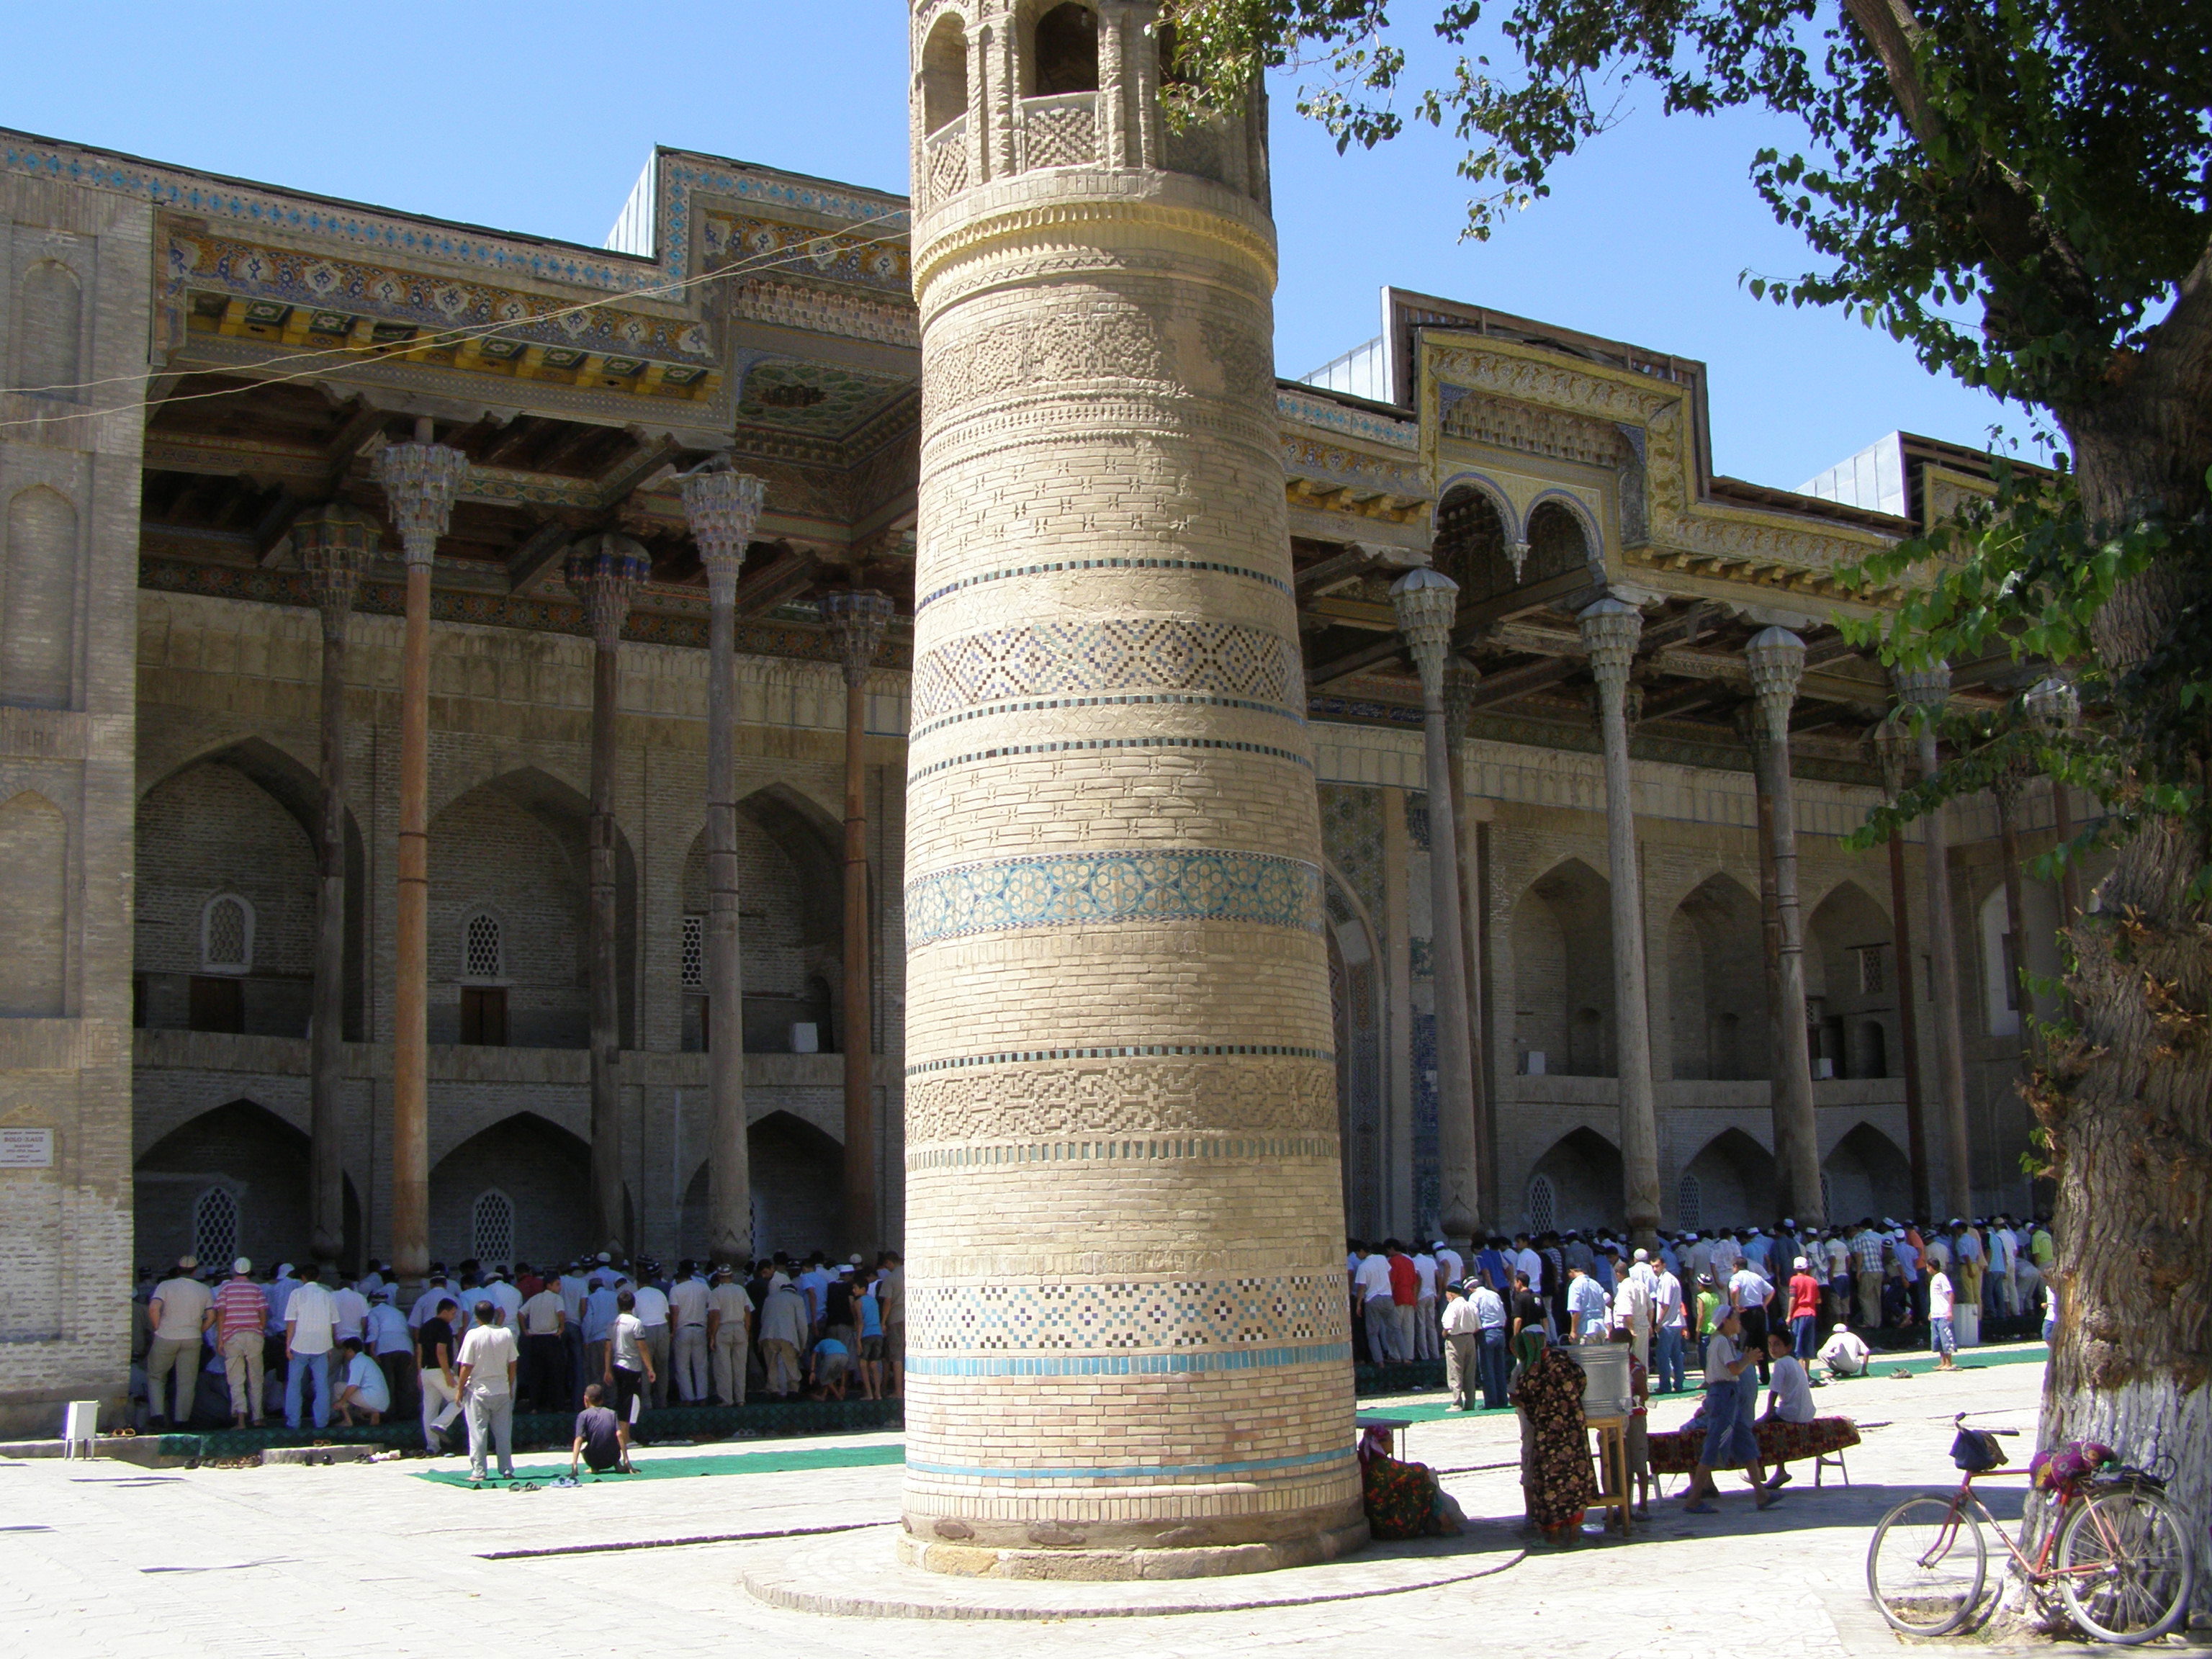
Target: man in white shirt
1631,1311
1490,1313
385,1333
729,1316
497,1287
348,1312
1727,1253
179,1316
435,1289
487,1365
542,1325
687,1343
1790,1399
1941,1304
1845,1352
1426,1343
2003,1254
1462,1338
651,1312
1373,1281
1667,1314
310,1334
361,1387
1586,1304
1451,1269
1527,1260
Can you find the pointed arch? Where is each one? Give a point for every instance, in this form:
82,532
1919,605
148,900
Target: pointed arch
944,73
1355,983
254,1156
49,330
1476,531
1851,993
1716,983
1583,1169
1867,1173
1562,938
540,1169
1736,1177
38,600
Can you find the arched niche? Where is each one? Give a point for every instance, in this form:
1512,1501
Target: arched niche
1583,1169
1867,1173
518,845
1561,540
1735,1178
798,1178
1563,971
944,74
1474,537
1717,983
38,600
543,1170
1060,50
49,330
242,818
249,1151
1850,991
33,908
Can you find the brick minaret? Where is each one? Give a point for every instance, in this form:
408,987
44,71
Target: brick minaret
1127,1318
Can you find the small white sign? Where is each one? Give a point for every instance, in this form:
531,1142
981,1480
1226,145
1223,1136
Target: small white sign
27,1149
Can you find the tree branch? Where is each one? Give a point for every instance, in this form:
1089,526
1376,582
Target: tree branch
1895,31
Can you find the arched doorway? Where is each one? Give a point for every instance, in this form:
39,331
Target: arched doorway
1717,983
1582,1175
798,1175
1735,1181
524,1180
239,1173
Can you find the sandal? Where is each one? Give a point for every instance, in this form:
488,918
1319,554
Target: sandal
1769,1498
1701,1507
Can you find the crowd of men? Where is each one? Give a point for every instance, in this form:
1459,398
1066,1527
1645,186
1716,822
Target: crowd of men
1808,1285
213,1350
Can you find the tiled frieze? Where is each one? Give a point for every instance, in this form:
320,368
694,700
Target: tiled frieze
1099,888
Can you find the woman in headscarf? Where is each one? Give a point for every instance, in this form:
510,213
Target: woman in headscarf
1555,1455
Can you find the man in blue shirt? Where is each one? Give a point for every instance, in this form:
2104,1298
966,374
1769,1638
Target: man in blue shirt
1586,1305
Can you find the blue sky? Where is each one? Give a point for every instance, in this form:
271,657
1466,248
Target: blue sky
538,119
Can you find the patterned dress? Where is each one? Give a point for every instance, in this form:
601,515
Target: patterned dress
1555,1468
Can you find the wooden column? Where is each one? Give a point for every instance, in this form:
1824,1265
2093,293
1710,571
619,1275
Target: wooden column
604,571
1777,657
334,543
1927,690
1610,631
723,507
420,481
1894,747
1460,680
1427,602
856,619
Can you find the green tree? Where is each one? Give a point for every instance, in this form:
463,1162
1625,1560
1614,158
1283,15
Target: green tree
2022,191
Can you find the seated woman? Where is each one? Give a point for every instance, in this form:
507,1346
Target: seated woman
1402,1500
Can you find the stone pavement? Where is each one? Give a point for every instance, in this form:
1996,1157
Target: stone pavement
103,1559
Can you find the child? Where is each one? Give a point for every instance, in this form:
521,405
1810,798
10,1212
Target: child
1638,1439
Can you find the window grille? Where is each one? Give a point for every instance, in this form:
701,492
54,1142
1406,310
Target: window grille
1543,1206
491,1227
227,935
214,1228
1871,978
484,957
1827,1197
1689,1204
695,953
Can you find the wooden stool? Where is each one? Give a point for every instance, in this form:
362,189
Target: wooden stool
1616,1491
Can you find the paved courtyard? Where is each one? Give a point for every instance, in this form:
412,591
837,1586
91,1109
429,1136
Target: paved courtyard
107,1559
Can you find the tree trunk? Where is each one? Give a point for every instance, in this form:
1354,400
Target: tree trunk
2129,1107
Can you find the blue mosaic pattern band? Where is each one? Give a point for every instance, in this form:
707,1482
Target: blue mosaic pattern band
1122,654
1138,1364
1276,1310
1092,889
1130,1051
1135,1471
1186,699
1084,745
1058,566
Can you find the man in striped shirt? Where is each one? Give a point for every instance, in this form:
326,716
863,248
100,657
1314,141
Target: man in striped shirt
240,1312
1866,1260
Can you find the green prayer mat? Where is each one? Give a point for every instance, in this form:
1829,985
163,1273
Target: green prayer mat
669,1468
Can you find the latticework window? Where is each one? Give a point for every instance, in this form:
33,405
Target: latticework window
1690,1203
491,1228
482,956
695,953
1871,974
1543,1206
214,1228
1827,1197
227,935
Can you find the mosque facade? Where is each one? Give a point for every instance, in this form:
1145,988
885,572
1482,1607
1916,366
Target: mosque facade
294,490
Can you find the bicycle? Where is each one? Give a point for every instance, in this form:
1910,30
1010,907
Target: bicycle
2116,1550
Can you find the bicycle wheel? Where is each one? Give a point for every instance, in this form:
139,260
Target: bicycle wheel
1925,1566
2125,1566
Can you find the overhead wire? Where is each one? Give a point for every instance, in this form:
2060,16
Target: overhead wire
327,357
